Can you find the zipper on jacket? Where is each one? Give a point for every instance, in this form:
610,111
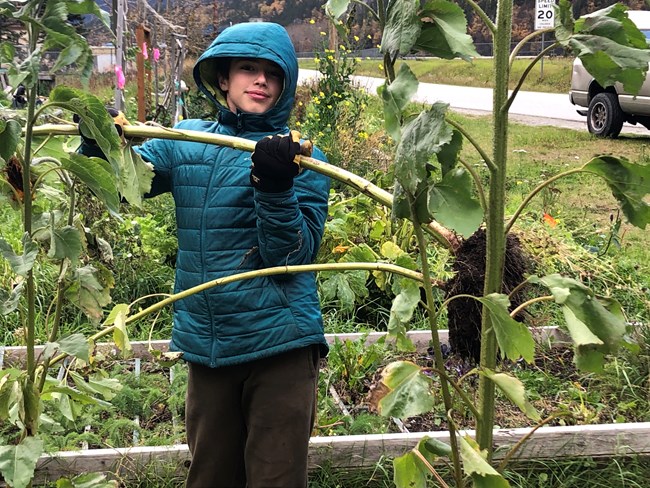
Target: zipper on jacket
240,122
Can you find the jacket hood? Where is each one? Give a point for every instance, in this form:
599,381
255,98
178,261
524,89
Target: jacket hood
262,40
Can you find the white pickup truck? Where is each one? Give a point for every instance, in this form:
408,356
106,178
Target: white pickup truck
607,108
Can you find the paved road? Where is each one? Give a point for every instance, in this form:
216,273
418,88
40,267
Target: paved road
534,108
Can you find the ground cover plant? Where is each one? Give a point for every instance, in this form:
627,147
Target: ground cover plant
418,196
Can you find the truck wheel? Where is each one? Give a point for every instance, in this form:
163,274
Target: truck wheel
605,117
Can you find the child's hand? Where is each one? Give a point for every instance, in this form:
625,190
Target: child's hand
276,162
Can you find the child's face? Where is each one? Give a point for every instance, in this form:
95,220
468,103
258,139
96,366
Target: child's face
253,85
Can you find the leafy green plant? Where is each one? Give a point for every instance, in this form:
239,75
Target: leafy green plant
432,182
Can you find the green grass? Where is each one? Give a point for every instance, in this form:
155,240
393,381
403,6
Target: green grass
554,77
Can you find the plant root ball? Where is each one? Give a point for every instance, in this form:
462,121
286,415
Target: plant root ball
464,314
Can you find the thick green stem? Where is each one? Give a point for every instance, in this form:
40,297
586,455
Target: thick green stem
435,342
443,236
60,287
30,326
307,268
524,75
495,246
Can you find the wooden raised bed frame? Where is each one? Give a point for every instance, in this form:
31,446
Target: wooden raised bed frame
357,451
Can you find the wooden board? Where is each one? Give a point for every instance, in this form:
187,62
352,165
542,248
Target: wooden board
16,355
366,450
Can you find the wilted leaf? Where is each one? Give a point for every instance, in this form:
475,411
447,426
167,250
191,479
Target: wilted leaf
596,327
9,300
90,290
475,465
514,389
452,204
630,185
514,338
444,31
21,265
408,391
17,463
75,345
421,138
107,388
120,334
10,132
65,243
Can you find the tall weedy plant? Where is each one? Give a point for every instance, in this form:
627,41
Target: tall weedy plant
39,179
433,183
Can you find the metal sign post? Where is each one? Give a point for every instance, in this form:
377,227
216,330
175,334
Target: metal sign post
544,19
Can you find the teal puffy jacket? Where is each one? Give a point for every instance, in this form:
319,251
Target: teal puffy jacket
227,227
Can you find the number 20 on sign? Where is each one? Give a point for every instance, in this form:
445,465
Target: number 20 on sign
544,14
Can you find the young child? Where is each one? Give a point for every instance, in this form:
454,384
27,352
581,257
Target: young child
253,347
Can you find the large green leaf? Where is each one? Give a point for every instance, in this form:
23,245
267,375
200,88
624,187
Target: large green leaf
396,96
135,176
597,327
17,463
20,264
630,185
75,345
421,138
87,480
65,243
514,389
444,31
82,7
410,471
336,8
90,290
476,466
9,300
118,318
401,312
96,173
407,391
402,27
10,132
448,154
107,388
452,204
96,122
610,46
514,338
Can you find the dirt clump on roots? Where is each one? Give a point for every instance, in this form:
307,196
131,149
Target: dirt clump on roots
464,314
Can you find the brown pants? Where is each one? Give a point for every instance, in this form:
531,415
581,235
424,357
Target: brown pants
249,425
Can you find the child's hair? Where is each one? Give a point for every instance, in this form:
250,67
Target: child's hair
222,68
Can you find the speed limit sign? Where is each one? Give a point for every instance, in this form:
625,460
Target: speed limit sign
544,14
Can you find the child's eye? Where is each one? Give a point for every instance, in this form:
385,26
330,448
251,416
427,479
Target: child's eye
274,74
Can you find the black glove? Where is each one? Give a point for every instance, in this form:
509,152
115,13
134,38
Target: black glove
89,146
276,162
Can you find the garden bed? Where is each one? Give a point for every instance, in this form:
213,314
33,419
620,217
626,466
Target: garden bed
147,419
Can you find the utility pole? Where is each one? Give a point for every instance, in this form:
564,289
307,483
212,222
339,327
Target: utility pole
119,51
